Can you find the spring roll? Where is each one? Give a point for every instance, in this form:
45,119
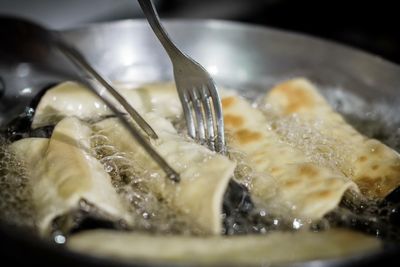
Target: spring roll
72,99
64,175
373,166
198,197
289,184
258,250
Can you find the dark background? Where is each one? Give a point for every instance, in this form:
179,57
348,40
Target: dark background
369,25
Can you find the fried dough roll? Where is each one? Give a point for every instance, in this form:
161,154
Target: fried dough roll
63,173
290,183
198,197
373,166
275,248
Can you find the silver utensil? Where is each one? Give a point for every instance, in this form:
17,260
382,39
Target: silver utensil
29,42
199,97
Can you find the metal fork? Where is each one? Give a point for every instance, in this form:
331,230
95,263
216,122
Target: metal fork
196,89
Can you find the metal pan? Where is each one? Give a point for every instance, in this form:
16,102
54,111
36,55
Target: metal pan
247,57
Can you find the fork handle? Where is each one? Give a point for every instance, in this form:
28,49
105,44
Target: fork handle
152,17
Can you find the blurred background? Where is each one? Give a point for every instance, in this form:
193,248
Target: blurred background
369,25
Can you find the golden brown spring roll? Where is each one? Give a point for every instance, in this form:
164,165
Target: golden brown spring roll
374,166
290,183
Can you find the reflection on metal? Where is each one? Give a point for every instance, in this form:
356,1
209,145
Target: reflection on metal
23,70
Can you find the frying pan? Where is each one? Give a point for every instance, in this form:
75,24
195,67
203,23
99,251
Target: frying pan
246,57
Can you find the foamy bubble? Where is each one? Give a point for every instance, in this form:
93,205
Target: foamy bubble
15,190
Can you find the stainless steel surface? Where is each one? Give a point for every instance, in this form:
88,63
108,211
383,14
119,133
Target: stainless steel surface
244,57
199,97
247,58
33,35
